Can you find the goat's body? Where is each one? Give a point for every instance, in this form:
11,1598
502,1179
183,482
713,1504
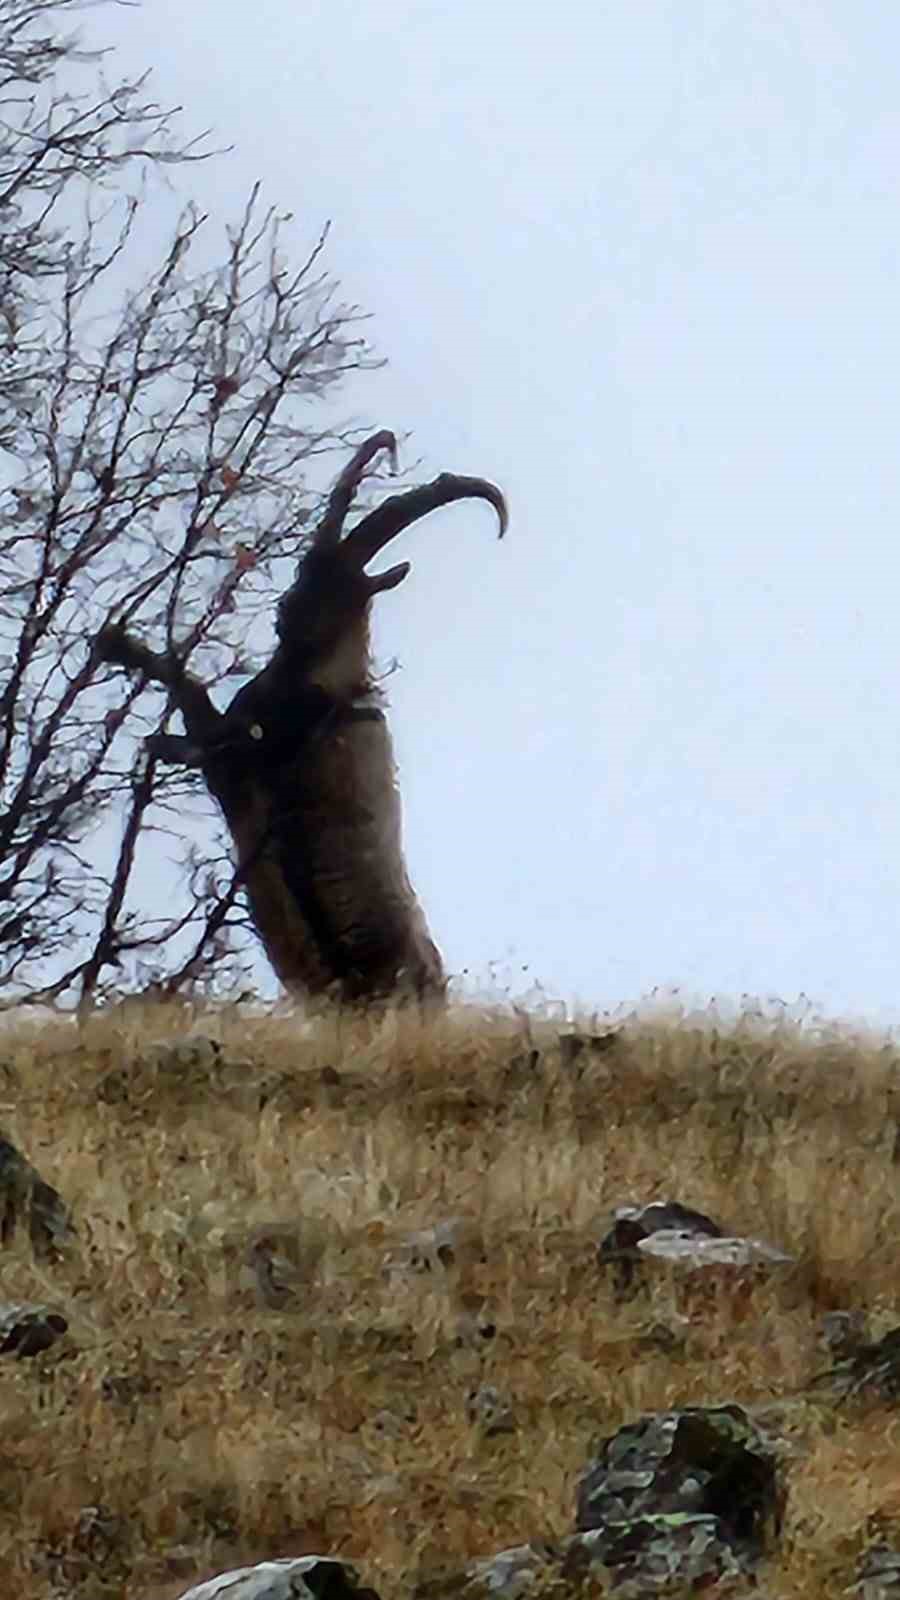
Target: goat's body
302,766
319,838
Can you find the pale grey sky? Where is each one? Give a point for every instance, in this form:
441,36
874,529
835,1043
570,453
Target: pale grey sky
639,264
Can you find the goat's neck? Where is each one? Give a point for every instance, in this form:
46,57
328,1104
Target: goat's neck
345,672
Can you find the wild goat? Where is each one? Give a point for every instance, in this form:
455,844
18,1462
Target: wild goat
302,765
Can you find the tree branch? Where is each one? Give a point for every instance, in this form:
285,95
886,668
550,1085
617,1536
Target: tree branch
119,648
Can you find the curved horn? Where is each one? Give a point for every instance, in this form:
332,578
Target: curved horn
397,513
346,485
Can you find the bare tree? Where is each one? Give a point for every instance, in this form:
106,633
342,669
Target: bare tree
301,763
159,457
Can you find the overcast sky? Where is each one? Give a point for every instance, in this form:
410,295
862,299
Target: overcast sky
640,264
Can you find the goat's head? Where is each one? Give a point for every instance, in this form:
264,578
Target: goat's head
323,617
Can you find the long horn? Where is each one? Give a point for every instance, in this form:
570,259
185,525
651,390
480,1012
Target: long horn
346,485
397,513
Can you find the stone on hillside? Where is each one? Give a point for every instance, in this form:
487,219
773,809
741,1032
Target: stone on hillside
191,1052
668,1233
879,1574
842,1333
26,1330
873,1370
685,1249
654,1553
685,1493
451,1242
474,1323
583,1047
490,1411
648,1556
393,1422
632,1224
524,1570
290,1578
195,1060
23,1193
284,1259
618,1247
511,1573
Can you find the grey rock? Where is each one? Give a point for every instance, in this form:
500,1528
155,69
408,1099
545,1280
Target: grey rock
192,1051
666,1231
490,1411
511,1573
873,1369
447,1243
291,1578
284,1258
879,1574
653,1553
687,1249
631,1224
23,1193
27,1330
394,1423
709,1465
842,1333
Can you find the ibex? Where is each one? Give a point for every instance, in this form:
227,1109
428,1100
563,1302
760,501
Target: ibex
302,766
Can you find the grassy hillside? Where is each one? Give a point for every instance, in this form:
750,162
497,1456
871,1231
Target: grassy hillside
184,1425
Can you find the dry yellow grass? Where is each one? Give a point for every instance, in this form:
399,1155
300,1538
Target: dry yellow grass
207,1429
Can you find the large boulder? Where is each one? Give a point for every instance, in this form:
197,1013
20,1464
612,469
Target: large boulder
682,1494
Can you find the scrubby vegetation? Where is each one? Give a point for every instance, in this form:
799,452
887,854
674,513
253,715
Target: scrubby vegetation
184,1424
